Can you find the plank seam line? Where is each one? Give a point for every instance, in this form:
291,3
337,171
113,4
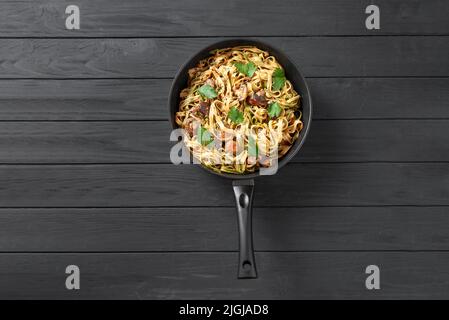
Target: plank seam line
428,35
171,78
226,251
231,207
300,162
167,120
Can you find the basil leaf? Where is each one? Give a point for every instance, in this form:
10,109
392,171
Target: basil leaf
278,79
251,68
207,91
241,67
253,149
247,69
235,115
204,136
274,110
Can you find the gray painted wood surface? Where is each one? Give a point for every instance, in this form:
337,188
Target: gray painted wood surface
146,141
323,275
85,177
128,99
117,18
130,185
161,57
215,229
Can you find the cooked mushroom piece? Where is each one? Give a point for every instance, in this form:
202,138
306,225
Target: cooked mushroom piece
204,108
258,99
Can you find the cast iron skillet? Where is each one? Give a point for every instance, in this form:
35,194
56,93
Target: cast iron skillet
244,184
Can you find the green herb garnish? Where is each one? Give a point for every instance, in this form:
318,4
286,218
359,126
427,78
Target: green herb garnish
204,136
235,115
274,110
207,91
247,69
278,79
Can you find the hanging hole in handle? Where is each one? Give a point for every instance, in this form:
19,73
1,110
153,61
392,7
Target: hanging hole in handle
246,265
243,200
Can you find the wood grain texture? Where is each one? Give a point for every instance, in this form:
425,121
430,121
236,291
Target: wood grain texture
148,142
115,18
215,229
128,99
35,100
85,178
345,184
360,98
162,57
415,275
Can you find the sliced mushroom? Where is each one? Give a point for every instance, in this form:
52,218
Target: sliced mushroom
258,99
204,108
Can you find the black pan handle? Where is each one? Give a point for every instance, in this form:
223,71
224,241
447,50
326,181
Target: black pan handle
244,191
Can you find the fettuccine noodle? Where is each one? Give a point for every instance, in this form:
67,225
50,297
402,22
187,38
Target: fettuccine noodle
249,121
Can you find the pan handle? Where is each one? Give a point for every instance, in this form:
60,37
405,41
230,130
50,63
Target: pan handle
244,191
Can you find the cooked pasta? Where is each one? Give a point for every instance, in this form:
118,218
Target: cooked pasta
239,112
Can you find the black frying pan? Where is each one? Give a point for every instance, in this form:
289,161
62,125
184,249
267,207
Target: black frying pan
244,184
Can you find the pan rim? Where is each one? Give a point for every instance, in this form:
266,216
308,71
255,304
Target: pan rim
304,90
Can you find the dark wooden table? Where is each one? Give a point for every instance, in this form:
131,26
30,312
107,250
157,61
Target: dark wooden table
85,176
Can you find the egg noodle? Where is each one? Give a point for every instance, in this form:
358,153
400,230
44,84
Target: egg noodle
239,112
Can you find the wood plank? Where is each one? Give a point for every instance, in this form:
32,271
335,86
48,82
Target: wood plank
328,275
161,57
85,142
217,18
148,142
215,229
380,98
376,140
345,184
334,98
84,100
